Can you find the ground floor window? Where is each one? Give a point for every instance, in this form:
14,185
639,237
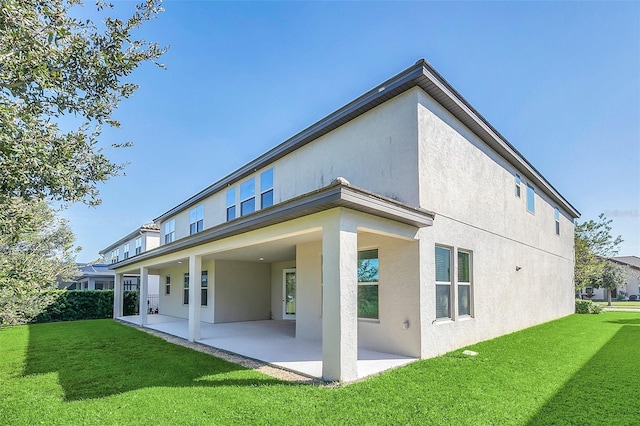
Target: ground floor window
443,282
204,282
464,283
446,299
185,291
368,284
167,285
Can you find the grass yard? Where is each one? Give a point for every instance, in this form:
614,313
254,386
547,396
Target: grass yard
579,370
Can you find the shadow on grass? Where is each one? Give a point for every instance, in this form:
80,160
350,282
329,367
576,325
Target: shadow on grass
635,321
605,389
98,358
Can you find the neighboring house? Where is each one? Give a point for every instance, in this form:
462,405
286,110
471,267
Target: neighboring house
402,223
142,239
631,287
91,276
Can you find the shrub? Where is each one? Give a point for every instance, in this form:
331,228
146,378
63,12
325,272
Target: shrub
587,307
73,305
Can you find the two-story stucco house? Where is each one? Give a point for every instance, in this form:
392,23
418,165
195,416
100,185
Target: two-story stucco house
402,223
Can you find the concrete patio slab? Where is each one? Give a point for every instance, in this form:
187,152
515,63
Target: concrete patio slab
270,341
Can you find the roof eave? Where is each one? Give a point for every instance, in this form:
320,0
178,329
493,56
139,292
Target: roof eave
335,195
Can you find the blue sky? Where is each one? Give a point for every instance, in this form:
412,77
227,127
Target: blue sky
560,80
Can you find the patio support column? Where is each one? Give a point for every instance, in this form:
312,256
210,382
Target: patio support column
195,277
117,296
144,295
340,298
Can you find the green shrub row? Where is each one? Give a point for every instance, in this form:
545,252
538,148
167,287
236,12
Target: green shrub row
72,305
587,307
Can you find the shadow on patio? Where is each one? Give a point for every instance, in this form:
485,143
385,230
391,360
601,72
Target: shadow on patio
602,389
104,358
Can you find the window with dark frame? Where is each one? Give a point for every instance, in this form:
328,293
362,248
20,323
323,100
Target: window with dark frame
196,219
231,204
167,285
248,197
185,291
204,293
266,188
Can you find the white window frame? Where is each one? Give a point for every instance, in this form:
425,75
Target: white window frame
556,215
196,219
448,284
531,196
138,245
370,283
461,283
232,210
264,190
115,255
125,251
252,196
169,231
518,182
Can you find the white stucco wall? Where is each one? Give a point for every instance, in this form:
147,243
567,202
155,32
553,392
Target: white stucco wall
472,191
171,304
376,151
399,297
243,291
309,291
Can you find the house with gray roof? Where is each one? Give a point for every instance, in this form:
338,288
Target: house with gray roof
399,227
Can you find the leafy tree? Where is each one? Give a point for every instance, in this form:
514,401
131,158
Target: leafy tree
593,245
61,79
55,66
611,277
36,248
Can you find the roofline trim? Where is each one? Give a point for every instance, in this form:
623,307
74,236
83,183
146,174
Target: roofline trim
409,78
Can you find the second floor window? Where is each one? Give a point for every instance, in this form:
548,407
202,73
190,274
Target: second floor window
248,197
231,204
196,216
115,255
266,188
138,245
531,199
170,231
126,251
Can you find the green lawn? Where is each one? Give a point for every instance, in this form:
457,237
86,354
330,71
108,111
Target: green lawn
579,370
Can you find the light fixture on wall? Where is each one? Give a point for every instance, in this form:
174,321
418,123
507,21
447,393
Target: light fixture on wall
405,324
261,259
518,268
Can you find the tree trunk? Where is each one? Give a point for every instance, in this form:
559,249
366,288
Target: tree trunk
608,297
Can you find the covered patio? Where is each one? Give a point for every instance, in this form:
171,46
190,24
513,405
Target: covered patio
270,341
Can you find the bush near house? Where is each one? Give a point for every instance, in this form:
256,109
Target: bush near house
587,307
73,305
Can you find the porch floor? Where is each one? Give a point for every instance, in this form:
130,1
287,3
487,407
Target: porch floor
270,341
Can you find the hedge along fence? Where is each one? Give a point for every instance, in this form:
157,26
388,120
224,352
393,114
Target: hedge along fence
71,305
